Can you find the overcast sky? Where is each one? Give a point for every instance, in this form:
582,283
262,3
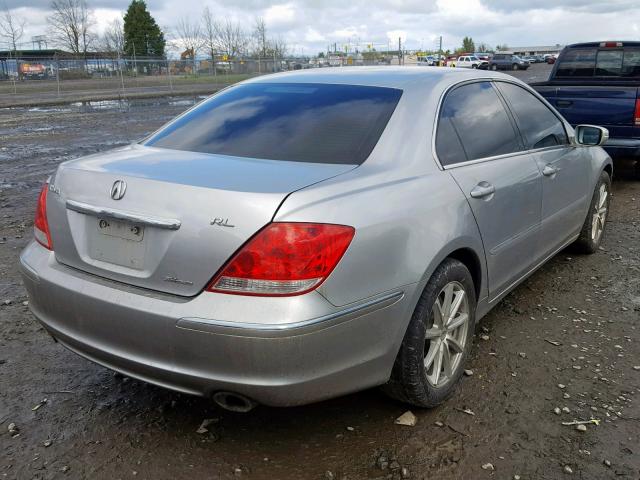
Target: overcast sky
309,26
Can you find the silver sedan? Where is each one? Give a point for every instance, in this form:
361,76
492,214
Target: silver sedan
305,235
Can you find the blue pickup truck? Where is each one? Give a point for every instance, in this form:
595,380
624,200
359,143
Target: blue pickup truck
599,83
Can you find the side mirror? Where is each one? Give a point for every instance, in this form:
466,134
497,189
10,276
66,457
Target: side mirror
591,135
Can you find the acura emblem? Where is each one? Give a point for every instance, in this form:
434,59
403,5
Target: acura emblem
118,189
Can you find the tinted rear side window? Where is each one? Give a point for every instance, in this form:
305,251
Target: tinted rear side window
631,62
539,126
577,62
321,123
594,62
473,115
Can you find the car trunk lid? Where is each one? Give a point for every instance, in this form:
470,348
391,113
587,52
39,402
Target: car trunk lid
180,215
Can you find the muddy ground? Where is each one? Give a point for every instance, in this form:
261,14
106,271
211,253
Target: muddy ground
573,323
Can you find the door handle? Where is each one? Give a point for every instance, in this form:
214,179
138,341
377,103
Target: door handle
564,103
549,171
483,189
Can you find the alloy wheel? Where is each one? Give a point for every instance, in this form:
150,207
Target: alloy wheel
599,213
446,337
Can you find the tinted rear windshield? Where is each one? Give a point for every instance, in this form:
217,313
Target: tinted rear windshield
301,122
595,62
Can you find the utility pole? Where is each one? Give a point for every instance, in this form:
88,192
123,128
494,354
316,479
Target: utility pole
399,51
135,64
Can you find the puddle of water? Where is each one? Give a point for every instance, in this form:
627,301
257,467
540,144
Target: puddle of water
123,105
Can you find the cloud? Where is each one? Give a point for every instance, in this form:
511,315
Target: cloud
311,25
313,36
280,15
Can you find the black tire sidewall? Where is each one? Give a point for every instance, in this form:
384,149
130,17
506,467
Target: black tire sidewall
411,357
584,243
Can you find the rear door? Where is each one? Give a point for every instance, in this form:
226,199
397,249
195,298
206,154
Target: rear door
477,142
563,167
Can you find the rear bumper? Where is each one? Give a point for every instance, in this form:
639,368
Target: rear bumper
319,351
623,147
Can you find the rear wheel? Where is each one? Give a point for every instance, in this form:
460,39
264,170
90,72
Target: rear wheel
593,228
474,66
438,338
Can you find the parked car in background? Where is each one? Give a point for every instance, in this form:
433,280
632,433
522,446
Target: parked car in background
507,61
429,60
528,59
470,61
450,61
234,253
483,56
599,83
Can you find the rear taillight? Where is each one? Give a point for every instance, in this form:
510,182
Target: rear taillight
284,259
41,225
636,115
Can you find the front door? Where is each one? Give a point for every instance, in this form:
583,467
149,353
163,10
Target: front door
563,168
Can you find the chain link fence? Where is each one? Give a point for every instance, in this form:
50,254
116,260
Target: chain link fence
50,80
30,81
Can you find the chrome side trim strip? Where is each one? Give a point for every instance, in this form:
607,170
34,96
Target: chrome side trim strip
210,325
166,223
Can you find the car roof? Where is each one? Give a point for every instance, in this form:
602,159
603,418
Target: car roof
384,76
597,44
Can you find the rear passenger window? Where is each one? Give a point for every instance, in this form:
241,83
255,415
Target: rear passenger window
473,124
631,63
538,125
609,63
577,62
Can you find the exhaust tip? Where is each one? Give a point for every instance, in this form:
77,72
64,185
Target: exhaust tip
234,402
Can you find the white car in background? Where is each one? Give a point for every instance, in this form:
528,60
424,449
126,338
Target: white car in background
471,61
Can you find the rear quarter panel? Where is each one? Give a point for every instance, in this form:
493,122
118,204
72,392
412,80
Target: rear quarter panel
402,225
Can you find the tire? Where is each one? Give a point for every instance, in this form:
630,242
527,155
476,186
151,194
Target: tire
494,67
514,66
474,66
593,229
425,348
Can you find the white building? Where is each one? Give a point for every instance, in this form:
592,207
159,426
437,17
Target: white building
537,50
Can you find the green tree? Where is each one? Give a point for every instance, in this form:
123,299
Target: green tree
142,35
468,45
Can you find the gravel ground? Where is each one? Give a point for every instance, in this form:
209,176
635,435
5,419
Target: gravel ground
566,339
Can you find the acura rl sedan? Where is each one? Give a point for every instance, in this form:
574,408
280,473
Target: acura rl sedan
304,235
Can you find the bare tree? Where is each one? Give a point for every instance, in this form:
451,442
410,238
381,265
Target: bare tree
260,37
11,28
189,35
209,33
279,47
113,38
71,25
231,39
